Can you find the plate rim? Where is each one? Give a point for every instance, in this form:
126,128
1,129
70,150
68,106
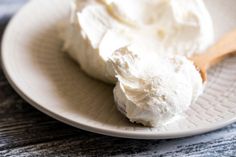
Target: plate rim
79,125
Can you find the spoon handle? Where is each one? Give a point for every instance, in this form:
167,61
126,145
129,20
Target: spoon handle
225,47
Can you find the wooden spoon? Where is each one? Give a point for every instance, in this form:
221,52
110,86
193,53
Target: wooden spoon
225,47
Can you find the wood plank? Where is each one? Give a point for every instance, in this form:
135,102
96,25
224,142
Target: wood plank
24,131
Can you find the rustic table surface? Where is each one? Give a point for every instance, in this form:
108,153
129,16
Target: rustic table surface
24,131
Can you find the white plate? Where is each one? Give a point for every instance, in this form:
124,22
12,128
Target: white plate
49,80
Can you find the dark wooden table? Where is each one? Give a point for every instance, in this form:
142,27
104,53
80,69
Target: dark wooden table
24,131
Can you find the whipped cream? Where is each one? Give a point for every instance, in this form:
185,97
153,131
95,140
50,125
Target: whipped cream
99,27
152,90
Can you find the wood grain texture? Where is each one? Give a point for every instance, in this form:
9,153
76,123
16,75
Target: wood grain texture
24,131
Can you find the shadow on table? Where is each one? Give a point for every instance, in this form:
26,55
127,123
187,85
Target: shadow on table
3,23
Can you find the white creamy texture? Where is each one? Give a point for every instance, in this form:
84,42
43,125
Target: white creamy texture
151,89
99,27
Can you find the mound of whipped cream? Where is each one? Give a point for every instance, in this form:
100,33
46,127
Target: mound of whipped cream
151,89
99,27
140,45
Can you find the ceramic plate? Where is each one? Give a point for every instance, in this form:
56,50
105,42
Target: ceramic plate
49,80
